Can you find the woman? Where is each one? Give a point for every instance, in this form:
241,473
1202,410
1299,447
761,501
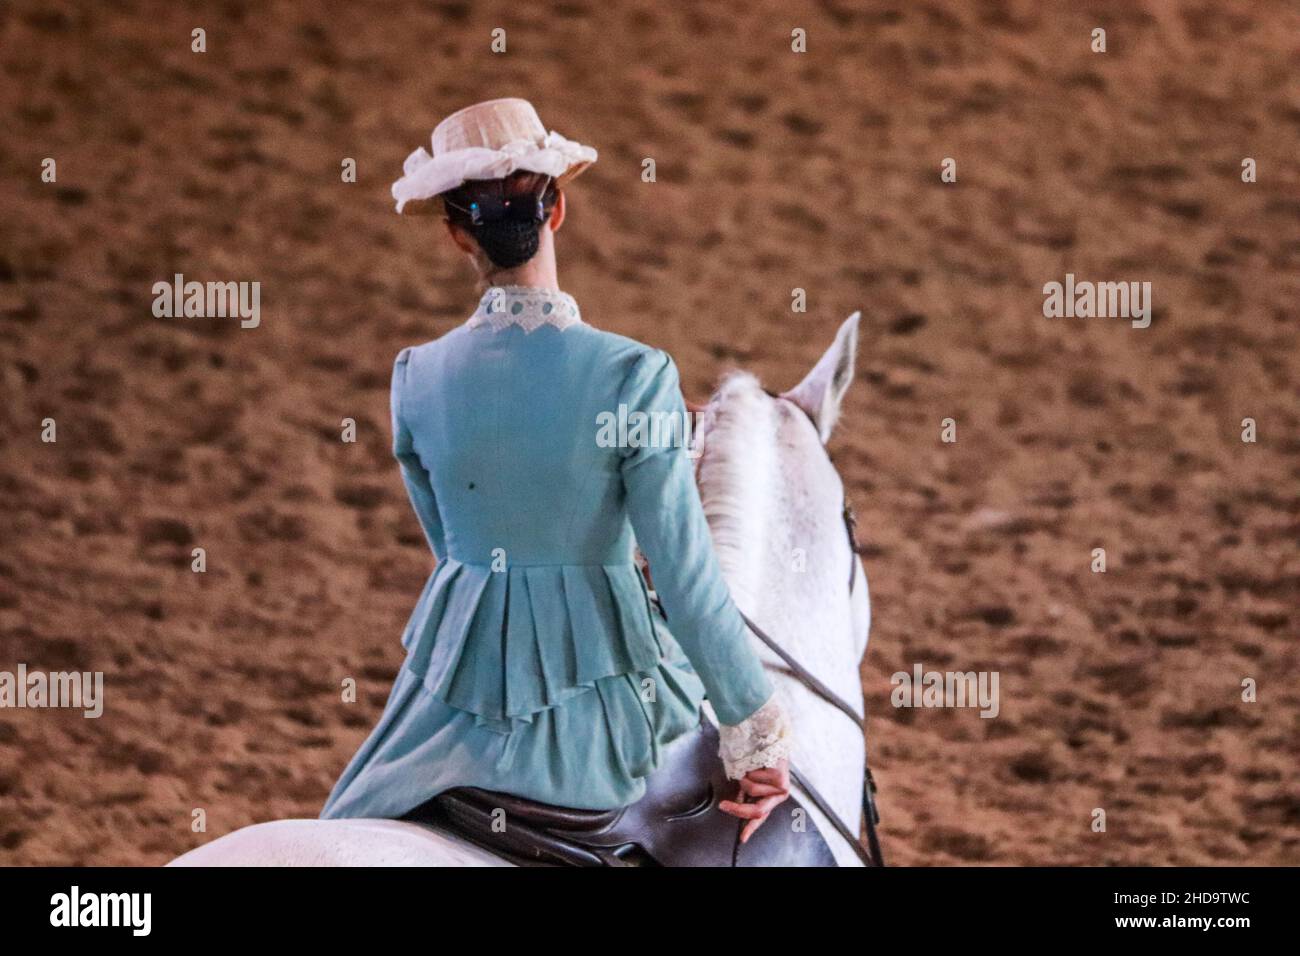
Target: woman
536,663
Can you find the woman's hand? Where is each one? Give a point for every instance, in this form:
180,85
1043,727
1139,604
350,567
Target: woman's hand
761,791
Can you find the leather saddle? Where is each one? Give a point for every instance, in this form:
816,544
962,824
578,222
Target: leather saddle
676,823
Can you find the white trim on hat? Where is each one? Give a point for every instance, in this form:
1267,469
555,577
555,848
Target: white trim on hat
426,175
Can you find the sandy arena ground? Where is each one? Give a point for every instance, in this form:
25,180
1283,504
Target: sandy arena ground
775,170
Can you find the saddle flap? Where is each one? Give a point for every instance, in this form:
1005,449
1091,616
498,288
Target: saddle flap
543,815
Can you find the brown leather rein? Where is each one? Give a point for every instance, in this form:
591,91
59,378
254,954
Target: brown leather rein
869,853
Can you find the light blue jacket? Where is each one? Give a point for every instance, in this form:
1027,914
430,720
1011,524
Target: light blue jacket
535,662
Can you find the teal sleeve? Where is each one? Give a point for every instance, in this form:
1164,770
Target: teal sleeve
414,475
668,520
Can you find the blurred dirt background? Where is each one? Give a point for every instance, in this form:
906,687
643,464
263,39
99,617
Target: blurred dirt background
775,170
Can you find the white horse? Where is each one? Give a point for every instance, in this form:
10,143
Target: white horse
774,505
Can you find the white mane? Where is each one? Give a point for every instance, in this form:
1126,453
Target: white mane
736,478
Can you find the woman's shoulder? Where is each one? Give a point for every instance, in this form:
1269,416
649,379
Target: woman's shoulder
627,353
432,346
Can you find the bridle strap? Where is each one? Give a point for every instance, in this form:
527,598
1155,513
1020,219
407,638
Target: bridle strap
851,526
869,855
805,676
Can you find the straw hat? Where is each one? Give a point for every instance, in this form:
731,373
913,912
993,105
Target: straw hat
488,140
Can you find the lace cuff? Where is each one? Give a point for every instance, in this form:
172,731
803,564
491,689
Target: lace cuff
760,740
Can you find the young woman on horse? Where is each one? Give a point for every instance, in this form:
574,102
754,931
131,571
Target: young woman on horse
536,663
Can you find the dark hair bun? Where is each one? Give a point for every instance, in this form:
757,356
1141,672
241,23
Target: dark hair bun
508,242
504,215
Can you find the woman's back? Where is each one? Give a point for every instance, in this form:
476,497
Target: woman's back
537,595
508,424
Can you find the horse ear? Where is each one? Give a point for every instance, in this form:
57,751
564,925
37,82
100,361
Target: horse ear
822,390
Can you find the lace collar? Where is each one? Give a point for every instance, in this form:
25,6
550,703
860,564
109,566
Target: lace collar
526,306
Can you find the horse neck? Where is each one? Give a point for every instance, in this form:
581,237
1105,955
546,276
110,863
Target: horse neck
772,501
767,490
